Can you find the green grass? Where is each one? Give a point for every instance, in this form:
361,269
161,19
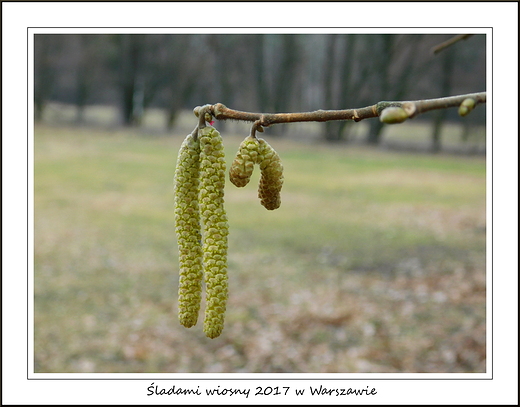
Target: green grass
375,262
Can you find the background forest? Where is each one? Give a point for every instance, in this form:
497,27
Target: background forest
135,73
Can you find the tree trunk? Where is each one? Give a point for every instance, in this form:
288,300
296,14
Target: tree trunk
261,85
44,71
446,72
331,132
285,80
375,132
129,60
335,130
385,53
82,77
437,130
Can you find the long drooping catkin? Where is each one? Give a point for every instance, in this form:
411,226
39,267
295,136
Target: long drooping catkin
187,228
215,229
271,180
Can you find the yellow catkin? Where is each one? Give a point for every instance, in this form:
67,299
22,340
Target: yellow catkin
215,229
244,162
187,228
271,180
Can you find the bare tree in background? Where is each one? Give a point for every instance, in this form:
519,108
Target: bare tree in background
182,67
262,72
445,88
87,53
343,76
259,67
130,55
392,72
47,48
285,70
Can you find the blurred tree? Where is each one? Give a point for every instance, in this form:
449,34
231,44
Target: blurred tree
183,66
395,64
285,73
272,65
331,82
445,76
82,75
130,55
263,72
458,69
343,72
258,64
140,73
223,47
47,49
85,58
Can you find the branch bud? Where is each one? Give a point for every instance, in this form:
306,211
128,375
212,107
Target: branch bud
466,106
217,110
393,115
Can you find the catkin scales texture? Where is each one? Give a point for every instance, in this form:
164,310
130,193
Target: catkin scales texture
244,162
201,221
271,180
258,151
215,229
187,228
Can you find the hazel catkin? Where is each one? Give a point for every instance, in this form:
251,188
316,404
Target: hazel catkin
271,180
187,228
215,229
244,162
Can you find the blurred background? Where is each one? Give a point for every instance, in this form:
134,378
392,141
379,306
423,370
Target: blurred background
375,262
134,75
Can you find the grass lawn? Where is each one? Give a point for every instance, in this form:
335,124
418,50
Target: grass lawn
375,262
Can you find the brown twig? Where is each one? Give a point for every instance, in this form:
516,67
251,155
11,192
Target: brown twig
451,41
412,109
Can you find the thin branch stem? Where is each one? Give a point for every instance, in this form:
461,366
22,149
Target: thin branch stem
438,48
412,109
195,132
256,127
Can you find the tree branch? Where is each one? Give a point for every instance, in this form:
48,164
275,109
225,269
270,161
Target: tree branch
451,41
406,110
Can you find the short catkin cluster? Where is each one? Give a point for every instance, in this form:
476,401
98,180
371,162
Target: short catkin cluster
242,167
258,151
199,197
271,180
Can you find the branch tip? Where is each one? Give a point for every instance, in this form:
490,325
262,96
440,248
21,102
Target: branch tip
438,48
